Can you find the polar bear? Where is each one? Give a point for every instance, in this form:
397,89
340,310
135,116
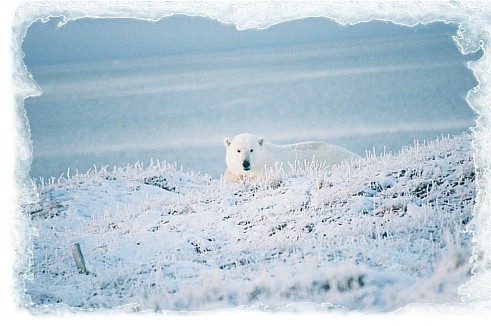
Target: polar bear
247,156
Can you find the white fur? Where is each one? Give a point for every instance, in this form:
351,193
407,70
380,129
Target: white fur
248,156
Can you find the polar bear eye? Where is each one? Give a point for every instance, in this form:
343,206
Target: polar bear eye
238,151
252,150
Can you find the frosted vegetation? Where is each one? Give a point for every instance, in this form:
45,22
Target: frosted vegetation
371,235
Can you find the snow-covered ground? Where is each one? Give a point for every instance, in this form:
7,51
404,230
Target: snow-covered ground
370,235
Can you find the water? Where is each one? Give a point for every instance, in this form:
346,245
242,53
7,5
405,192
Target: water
384,92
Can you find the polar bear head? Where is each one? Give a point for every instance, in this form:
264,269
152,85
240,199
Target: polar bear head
244,155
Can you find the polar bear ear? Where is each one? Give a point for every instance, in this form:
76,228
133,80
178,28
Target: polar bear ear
226,142
261,141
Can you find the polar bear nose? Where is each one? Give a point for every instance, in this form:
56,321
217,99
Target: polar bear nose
246,165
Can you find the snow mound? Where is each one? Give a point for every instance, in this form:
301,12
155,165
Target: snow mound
372,235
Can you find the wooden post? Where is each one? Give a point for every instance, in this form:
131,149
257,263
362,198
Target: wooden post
79,258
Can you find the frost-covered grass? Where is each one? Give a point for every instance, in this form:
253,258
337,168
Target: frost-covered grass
371,235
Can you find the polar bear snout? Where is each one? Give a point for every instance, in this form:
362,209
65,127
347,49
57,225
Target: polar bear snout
246,165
